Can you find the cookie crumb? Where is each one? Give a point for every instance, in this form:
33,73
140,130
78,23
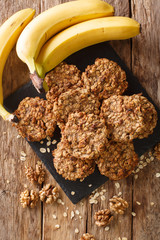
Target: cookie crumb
72,193
90,185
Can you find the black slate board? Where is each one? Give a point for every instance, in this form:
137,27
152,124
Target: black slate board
81,59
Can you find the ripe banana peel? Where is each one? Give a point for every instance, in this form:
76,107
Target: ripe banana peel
9,33
83,35
54,20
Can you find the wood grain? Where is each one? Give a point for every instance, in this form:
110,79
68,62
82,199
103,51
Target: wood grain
17,223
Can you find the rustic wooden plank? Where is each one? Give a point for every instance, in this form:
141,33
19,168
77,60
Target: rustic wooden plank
16,222
145,65
146,47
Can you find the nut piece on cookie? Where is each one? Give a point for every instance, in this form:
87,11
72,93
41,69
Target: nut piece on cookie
69,167
49,194
105,78
72,101
28,198
61,79
36,119
118,205
87,236
118,160
103,217
85,134
129,117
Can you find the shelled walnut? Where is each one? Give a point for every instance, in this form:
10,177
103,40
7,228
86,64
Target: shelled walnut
118,205
36,175
49,194
87,236
28,198
103,217
157,151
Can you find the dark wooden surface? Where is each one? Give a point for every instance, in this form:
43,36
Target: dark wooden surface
142,55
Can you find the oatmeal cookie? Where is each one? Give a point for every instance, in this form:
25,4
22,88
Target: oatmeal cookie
69,167
72,101
36,119
118,160
105,78
61,79
129,117
86,135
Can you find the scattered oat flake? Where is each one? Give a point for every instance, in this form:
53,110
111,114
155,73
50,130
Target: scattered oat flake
54,216
148,160
135,176
140,167
119,194
124,238
104,190
152,203
57,226
106,228
138,203
25,185
144,164
48,143
23,158
157,175
48,150
77,212
117,185
72,214
64,214
142,157
76,230
137,170
54,141
152,158
80,217
8,181
42,150
18,136
41,142
133,214
72,193
103,198
90,185
96,195
23,154
48,138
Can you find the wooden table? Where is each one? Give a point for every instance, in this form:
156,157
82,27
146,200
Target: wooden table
142,55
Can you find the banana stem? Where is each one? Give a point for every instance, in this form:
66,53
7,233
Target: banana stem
37,82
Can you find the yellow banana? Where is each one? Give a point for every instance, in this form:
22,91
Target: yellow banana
55,19
9,33
83,35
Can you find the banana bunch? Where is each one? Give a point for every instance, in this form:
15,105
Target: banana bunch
52,21
9,33
69,27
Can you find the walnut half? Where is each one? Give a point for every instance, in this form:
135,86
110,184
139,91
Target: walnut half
28,198
103,217
48,193
118,205
87,236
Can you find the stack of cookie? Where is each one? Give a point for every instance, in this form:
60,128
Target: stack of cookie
97,123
